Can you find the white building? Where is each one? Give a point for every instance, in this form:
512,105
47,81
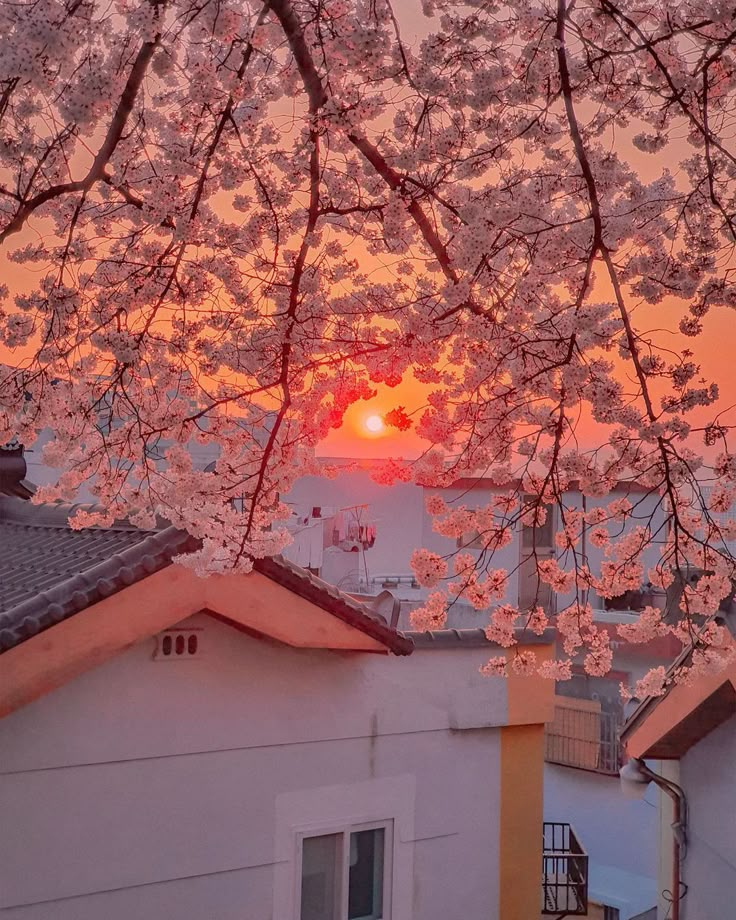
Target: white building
403,525
251,746
688,737
581,775
580,781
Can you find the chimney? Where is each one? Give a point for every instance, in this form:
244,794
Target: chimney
13,470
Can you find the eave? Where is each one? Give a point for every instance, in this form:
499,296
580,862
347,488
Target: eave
665,728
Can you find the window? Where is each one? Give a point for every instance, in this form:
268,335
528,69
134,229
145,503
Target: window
532,590
539,535
345,875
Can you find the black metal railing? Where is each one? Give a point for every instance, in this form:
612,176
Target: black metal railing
564,871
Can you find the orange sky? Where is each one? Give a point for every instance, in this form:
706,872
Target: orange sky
714,349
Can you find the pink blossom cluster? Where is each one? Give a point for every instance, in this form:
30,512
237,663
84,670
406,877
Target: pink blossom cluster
501,628
559,669
648,626
494,667
431,615
428,567
652,684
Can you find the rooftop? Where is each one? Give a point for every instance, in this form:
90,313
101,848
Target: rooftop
473,638
49,571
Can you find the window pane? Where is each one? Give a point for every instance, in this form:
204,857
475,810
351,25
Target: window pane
365,883
320,859
540,536
532,590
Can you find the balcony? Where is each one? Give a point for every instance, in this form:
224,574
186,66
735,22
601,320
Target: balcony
564,872
584,737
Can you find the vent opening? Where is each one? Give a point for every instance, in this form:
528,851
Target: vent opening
178,645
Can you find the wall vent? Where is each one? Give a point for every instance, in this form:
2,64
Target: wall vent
178,645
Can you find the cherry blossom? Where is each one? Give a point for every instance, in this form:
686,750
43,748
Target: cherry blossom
494,667
227,223
431,615
652,684
428,567
555,670
648,626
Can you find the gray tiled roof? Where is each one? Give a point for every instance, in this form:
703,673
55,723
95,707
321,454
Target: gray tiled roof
49,572
473,638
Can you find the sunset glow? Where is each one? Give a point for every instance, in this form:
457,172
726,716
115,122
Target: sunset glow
374,424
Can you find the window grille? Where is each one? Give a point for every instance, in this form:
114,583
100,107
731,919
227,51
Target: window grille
583,736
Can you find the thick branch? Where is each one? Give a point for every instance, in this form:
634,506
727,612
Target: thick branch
318,97
114,133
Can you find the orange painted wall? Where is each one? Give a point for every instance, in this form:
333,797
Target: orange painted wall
520,822
530,705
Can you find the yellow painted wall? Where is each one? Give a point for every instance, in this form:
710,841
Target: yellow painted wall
530,704
531,699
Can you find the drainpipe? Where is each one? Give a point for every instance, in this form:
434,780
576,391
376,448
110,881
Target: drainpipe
636,774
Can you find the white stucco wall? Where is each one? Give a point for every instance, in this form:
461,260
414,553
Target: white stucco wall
708,776
619,835
159,790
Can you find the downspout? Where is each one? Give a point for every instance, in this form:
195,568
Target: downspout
679,813
679,824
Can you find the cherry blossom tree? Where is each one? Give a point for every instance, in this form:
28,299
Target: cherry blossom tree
227,221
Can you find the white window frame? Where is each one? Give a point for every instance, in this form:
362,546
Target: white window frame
320,809
343,871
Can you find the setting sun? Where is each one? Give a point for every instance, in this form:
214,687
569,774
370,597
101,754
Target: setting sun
374,423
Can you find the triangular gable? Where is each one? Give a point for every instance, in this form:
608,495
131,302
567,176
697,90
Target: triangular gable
255,601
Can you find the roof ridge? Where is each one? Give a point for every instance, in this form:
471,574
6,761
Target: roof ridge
16,510
473,637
